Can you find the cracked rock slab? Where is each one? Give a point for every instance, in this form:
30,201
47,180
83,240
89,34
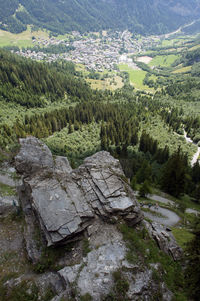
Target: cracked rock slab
65,201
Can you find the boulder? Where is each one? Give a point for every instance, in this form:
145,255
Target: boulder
66,201
33,157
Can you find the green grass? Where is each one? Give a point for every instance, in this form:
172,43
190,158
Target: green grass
85,247
182,236
136,77
171,42
137,243
86,297
21,40
82,68
188,203
183,70
163,60
6,190
106,84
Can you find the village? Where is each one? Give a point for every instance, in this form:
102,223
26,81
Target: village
97,51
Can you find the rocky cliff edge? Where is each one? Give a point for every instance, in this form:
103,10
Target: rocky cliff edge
67,201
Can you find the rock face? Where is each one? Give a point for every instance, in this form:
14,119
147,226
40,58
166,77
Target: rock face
108,255
66,201
165,240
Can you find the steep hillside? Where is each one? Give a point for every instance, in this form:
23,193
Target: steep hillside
141,16
32,84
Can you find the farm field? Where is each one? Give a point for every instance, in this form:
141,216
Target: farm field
170,42
194,47
144,59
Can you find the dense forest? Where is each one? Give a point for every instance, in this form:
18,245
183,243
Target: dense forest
143,17
33,85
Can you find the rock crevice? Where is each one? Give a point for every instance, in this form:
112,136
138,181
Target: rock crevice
66,201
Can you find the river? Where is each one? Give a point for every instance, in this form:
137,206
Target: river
197,154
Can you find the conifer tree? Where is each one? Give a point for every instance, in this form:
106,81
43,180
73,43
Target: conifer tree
145,189
174,176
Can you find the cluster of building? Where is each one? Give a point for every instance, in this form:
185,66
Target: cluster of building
96,51
39,56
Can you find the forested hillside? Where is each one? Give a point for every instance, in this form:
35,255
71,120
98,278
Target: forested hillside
138,16
34,85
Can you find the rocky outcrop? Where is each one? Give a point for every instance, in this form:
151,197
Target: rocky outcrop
66,201
91,201
165,239
94,275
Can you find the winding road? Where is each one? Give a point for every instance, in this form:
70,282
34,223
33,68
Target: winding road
169,218
160,199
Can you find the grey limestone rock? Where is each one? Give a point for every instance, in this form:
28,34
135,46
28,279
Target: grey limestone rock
165,239
108,255
89,200
65,201
50,280
33,157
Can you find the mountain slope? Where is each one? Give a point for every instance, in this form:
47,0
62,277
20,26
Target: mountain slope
141,16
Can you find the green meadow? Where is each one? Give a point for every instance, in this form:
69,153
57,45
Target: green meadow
163,60
136,76
21,40
183,70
